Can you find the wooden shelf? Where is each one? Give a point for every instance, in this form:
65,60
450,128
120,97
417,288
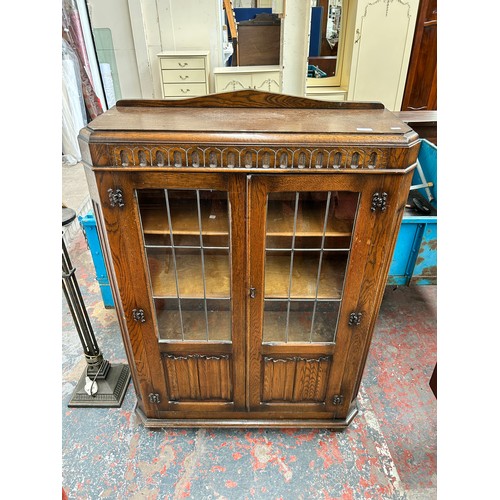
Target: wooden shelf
299,326
184,215
194,324
190,276
310,221
304,276
215,222
219,326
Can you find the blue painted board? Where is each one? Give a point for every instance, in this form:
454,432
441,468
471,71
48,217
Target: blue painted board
315,34
427,157
245,14
90,229
425,270
415,255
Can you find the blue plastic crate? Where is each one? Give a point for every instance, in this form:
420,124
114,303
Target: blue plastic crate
415,255
90,230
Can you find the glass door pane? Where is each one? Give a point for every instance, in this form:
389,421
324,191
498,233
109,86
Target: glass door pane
308,240
187,239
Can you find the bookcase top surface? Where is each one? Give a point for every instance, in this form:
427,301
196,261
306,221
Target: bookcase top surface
250,111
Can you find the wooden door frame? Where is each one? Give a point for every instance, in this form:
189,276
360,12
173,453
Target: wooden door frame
373,241
259,187
125,220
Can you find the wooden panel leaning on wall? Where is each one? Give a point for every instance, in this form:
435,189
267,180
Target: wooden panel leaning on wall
248,237
421,82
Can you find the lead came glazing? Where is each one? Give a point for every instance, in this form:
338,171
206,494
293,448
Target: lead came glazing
186,237
308,238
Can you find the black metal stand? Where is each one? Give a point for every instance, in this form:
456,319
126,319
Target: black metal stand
106,383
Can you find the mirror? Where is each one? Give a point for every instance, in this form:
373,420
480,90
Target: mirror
326,42
125,38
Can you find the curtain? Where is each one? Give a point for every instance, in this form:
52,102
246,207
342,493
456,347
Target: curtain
73,34
74,116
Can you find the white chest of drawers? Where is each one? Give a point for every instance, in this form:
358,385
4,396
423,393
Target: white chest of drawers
183,73
264,78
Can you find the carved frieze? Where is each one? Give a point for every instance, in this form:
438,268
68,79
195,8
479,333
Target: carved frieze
248,157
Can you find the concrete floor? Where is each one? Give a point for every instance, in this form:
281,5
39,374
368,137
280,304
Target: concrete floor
389,451
74,186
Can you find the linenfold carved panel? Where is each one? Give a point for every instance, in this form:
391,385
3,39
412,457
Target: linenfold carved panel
248,157
196,377
295,379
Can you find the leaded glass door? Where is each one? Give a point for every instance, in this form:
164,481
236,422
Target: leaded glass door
193,238
302,228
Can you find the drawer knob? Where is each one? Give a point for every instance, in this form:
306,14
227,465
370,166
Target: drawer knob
185,91
182,64
183,77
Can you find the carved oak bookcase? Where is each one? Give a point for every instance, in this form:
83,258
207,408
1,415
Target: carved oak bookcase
248,237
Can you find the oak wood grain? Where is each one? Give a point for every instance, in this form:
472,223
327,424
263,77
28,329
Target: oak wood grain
246,369
248,99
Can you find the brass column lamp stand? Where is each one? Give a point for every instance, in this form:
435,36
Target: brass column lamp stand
102,384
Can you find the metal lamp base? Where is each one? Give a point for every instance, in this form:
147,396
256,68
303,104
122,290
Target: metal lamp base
111,390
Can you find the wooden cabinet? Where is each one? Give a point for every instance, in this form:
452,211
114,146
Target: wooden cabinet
262,78
248,237
421,82
259,40
183,74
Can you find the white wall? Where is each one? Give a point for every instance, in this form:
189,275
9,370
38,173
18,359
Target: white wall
244,3
192,25
143,28
114,14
